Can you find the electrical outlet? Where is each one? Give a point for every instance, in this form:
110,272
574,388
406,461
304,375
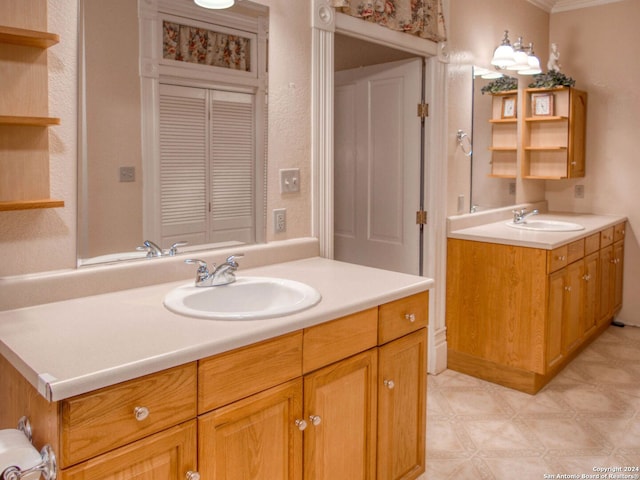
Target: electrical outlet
127,174
289,180
280,220
512,188
578,191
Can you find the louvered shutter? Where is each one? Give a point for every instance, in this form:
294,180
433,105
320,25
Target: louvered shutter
232,174
183,164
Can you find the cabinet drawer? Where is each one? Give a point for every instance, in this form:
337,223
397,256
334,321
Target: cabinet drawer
396,319
106,419
332,341
557,258
606,237
618,232
592,244
233,375
575,251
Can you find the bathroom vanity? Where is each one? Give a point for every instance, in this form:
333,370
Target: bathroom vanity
522,304
126,389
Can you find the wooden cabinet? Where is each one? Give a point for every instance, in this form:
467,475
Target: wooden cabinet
256,437
402,390
24,140
504,134
340,405
553,138
517,315
168,455
307,404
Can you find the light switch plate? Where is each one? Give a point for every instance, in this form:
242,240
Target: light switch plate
289,180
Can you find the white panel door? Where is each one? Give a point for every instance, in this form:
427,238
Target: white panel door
377,165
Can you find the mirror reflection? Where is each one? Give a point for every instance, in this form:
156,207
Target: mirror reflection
493,184
173,127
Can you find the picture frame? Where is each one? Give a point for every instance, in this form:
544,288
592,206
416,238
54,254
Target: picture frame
542,104
509,107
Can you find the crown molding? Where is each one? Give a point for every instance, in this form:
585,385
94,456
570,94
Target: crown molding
555,6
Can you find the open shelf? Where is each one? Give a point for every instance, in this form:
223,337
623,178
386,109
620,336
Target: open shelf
29,121
30,204
554,118
27,38
503,120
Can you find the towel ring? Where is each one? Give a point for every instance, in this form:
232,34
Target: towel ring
460,136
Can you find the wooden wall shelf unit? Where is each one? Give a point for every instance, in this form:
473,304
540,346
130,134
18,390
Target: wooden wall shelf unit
504,135
554,142
24,140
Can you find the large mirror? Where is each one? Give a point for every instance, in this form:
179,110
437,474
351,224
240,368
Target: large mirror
488,188
173,126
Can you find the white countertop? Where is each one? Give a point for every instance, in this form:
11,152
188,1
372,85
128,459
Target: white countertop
75,346
499,232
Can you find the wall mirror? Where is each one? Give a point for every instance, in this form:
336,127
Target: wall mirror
490,185
172,129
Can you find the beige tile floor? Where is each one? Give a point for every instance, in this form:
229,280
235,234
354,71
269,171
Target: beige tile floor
586,417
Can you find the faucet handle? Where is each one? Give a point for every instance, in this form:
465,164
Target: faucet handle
195,261
202,273
174,248
231,259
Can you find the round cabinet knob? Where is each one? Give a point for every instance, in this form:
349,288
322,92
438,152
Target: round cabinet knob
315,419
410,316
568,288
301,424
586,277
192,475
389,384
141,413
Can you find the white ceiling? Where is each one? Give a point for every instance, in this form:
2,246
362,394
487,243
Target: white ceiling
555,6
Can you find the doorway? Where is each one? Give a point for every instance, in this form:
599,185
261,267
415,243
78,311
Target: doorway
378,172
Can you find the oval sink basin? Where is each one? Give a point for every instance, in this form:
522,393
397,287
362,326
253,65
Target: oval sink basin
248,298
547,226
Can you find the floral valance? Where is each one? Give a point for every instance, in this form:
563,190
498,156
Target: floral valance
423,18
205,47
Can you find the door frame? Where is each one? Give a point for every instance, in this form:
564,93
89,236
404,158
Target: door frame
325,23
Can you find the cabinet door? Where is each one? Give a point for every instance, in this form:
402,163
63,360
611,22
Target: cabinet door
618,262
402,389
554,318
572,322
168,455
606,269
254,438
340,406
591,293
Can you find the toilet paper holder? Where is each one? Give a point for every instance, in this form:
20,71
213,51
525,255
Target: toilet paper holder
47,467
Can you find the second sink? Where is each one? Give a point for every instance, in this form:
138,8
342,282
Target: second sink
546,226
248,298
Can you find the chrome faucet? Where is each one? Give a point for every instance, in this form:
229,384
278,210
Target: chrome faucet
223,274
519,216
153,250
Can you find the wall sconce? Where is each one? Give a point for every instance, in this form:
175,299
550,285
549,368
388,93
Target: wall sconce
214,4
516,57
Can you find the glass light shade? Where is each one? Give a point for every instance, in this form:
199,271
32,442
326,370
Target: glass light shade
215,4
521,61
492,75
533,67
503,56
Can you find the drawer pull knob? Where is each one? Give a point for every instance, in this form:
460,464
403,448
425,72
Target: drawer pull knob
410,316
301,424
315,419
389,384
562,258
192,475
586,277
568,288
141,413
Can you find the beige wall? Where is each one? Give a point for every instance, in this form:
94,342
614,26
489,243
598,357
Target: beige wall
598,48
44,240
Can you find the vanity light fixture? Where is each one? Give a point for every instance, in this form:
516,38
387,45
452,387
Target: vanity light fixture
503,55
215,4
517,58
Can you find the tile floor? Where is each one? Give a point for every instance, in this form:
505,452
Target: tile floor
586,417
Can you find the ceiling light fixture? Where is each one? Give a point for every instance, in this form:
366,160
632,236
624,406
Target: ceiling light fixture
215,4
